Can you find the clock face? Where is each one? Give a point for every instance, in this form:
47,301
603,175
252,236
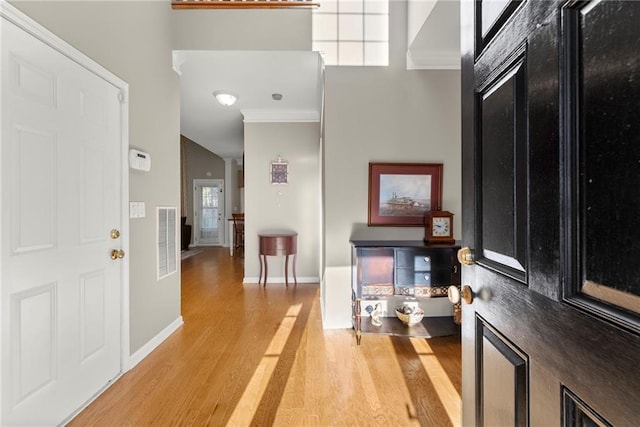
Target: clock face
441,227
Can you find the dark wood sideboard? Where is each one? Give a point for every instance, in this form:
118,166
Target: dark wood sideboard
397,272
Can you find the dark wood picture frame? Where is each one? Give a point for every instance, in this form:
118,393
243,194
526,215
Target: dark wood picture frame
401,193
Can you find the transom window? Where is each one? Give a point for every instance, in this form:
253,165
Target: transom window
352,32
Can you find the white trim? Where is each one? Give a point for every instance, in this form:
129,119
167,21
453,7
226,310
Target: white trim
424,60
153,343
280,116
124,229
228,164
178,58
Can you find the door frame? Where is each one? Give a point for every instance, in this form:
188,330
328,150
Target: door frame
30,26
196,203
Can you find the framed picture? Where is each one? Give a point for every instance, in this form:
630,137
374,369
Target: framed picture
400,193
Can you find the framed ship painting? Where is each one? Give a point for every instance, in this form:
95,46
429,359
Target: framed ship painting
401,193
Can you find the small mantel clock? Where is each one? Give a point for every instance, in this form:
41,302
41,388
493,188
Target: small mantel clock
438,227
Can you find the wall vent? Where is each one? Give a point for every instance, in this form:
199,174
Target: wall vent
167,239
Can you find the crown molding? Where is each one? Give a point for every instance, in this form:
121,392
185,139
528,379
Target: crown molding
280,116
425,60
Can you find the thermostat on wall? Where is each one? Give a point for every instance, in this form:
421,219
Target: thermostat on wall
139,160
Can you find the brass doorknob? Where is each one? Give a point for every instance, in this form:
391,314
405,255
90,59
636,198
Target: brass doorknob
465,294
466,256
115,233
117,254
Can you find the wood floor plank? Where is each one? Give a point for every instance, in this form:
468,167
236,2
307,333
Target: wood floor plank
199,375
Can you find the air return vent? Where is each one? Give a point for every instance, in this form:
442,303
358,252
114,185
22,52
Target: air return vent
167,238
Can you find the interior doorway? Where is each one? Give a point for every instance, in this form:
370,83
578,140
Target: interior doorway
208,212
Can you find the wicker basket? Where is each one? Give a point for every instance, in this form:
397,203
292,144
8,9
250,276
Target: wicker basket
412,318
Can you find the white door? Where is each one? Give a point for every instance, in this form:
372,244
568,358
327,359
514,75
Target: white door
208,212
60,181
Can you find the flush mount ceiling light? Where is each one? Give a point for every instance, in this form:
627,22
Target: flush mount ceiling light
225,98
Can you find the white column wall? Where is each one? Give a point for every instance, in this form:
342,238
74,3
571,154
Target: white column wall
293,206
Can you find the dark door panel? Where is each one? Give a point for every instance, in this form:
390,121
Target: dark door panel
503,189
603,151
503,397
551,199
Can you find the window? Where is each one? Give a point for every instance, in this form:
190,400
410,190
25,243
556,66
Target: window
352,32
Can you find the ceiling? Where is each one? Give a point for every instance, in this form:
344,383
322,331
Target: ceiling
254,76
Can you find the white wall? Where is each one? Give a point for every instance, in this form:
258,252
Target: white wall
133,40
295,206
381,114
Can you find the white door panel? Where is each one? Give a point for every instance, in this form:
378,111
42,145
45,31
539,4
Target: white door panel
61,196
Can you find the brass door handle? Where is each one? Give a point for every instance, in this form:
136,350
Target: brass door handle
117,254
465,294
466,256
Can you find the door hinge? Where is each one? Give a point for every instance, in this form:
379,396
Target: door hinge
121,97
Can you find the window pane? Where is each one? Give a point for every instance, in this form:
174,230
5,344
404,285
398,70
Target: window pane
207,197
325,26
327,6
209,219
350,28
350,53
350,6
341,27
376,6
376,28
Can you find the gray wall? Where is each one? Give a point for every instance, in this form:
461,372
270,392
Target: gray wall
255,29
200,164
381,114
294,206
133,40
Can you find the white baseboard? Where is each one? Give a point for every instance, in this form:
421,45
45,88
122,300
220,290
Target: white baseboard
308,279
153,343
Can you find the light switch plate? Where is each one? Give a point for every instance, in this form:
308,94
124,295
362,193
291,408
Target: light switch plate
136,210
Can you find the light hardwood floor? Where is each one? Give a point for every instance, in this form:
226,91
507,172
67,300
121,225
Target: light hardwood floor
248,355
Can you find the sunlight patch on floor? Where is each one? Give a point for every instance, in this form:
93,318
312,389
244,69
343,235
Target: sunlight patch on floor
449,396
246,407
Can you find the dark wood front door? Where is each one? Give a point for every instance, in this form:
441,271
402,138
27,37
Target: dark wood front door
551,209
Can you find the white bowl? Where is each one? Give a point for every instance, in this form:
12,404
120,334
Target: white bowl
409,315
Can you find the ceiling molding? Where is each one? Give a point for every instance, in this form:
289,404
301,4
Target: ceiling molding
280,116
434,36
433,61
